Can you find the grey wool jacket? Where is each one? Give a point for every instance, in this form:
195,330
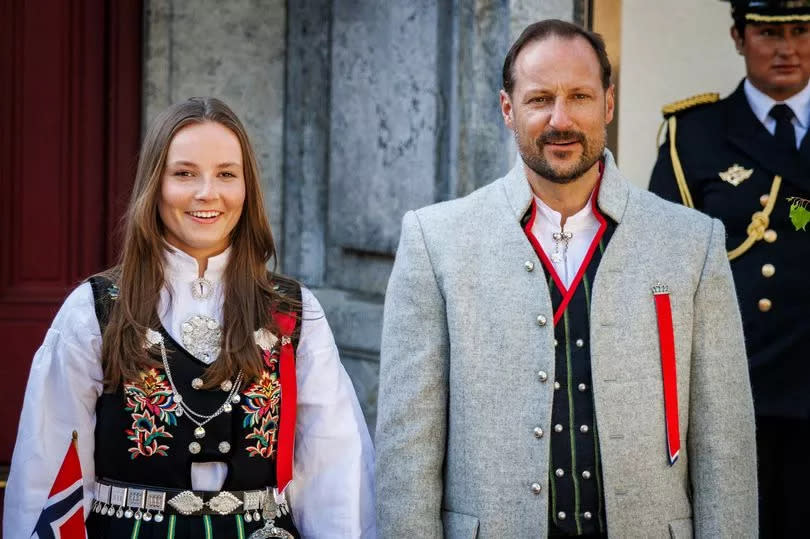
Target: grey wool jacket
460,395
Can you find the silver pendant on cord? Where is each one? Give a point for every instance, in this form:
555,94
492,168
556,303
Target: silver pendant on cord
558,237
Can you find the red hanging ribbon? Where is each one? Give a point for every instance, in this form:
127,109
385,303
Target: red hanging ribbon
289,396
666,336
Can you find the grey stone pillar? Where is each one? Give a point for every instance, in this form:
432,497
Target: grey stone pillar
231,50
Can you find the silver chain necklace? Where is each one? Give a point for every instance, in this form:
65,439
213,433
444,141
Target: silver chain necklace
195,417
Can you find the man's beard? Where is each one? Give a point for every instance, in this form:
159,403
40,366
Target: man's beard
536,160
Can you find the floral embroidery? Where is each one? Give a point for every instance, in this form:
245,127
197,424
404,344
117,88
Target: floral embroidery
147,399
261,406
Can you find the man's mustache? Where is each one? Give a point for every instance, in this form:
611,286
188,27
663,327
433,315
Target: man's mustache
555,136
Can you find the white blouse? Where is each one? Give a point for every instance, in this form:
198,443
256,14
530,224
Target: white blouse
332,491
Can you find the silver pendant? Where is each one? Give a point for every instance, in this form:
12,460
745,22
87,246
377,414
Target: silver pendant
202,337
201,288
270,530
199,432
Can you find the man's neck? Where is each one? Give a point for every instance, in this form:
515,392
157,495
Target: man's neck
564,198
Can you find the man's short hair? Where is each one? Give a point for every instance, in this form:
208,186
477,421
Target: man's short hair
549,28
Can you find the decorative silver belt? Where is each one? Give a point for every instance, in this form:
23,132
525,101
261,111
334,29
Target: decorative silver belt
141,502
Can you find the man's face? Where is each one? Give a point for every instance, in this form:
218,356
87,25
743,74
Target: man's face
558,108
777,57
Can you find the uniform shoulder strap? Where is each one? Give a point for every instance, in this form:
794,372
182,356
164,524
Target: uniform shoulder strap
689,103
670,113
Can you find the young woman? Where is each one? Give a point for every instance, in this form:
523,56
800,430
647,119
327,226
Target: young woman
206,393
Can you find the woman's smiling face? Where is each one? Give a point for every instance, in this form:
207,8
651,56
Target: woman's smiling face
202,189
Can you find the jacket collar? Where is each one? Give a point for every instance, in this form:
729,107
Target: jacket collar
612,198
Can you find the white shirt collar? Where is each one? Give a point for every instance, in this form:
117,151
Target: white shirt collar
582,220
761,103
180,266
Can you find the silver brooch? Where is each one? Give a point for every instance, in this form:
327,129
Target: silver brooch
224,502
153,338
202,337
201,288
187,503
265,339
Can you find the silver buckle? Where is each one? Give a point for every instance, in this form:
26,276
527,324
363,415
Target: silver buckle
135,500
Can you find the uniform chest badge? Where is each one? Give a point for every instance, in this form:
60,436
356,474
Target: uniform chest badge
736,174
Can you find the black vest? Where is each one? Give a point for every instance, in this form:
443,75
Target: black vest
576,497
141,439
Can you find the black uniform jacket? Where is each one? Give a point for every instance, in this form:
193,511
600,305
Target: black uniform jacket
710,139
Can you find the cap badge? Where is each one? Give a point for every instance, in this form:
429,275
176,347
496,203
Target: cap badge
736,174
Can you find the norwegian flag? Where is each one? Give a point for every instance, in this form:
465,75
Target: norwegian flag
63,514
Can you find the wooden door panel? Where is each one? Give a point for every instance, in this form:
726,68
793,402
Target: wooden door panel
68,140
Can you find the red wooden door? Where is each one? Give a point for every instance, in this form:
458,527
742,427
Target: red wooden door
69,130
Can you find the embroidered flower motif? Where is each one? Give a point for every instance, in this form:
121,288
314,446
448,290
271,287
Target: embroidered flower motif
149,399
261,404
146,436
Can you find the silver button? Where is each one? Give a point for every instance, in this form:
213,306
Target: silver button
555,343
587,515
556,385
561,515
538,432
559,472
529,265
558,428
224,447
586,474
582,387
580,343
541,320
584,429
536,488
542,376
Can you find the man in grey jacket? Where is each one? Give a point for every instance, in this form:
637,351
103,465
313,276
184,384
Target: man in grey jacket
562,352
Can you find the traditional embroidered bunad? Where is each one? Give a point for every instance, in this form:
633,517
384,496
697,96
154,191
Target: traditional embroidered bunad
169,458
160,444
576,501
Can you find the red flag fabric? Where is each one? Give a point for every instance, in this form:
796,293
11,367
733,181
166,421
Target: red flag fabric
62,516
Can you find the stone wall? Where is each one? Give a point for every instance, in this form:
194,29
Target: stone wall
360,110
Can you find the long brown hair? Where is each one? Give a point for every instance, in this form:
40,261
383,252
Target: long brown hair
249,294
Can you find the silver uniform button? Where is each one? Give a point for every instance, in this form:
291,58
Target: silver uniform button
587,515
580,343
584,429
536,488
556,385
542,376
582,387
558,428
559,472
529,265
541,320
586,474
561,515
538,432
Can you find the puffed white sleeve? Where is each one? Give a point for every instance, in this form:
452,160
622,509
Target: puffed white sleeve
65,381
332,491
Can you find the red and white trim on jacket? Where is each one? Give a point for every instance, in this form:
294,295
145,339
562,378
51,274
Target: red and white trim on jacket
289,397
666,337
567,293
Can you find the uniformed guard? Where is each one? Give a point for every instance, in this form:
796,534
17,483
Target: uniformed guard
741,159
